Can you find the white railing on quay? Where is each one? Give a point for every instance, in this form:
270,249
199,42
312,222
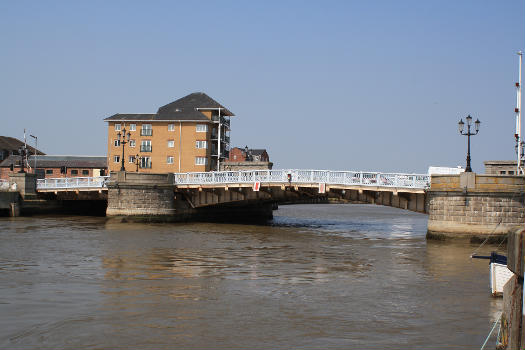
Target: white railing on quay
4,185
361,178
71,182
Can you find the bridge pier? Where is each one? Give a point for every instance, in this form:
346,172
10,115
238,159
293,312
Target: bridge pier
476,207
141,195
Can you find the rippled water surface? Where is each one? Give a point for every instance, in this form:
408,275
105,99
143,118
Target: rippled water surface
319,276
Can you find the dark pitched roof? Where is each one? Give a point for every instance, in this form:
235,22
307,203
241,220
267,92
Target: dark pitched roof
257,152
120,116
58,161
183,109
12,144
191,102
175,116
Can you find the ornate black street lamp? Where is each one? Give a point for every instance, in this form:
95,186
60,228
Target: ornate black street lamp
461,125
125,139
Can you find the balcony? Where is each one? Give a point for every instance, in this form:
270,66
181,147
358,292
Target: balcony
145,148
224,121
146,132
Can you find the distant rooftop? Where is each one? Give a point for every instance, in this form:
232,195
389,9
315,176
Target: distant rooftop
500,162
45,161
184,109
12,144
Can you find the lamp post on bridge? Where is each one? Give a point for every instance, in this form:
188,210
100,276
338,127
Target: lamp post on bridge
137,162
461,125
125,139
23,152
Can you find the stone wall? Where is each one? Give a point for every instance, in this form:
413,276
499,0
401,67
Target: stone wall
512,319
140,194
475,206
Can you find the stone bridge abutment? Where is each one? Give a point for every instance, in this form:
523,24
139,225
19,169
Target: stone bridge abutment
475,206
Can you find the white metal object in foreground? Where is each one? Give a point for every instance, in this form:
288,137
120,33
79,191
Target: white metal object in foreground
499,275
358,178
71,183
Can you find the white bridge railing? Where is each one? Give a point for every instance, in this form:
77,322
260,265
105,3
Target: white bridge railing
360,178
71,183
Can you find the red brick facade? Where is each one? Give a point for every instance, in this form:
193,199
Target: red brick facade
254,155
237,155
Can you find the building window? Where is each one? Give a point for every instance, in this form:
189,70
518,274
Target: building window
146,130
235,157
201,144
171,127
145,146
85,172
117,127
116,159
145,162
131,143
116,143
132,127
511,172
131,159
502,172
49,171
171,143
74,172
169,160
201,160
202,127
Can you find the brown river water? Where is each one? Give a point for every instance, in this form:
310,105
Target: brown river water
318,276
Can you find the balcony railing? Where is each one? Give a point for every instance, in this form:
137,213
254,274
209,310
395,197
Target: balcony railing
224,121
146,132
145,148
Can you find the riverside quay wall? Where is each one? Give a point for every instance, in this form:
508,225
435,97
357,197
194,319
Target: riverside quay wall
474,206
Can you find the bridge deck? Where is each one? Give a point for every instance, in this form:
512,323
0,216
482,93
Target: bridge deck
374,181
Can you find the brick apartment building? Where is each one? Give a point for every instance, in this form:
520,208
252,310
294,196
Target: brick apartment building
189,134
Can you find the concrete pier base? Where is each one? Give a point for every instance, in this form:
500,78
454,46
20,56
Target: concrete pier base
25,184
141,195
14,211
475,207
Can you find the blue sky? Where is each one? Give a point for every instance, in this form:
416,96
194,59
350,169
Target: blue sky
356,85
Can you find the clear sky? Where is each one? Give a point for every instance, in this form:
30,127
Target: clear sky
355,85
